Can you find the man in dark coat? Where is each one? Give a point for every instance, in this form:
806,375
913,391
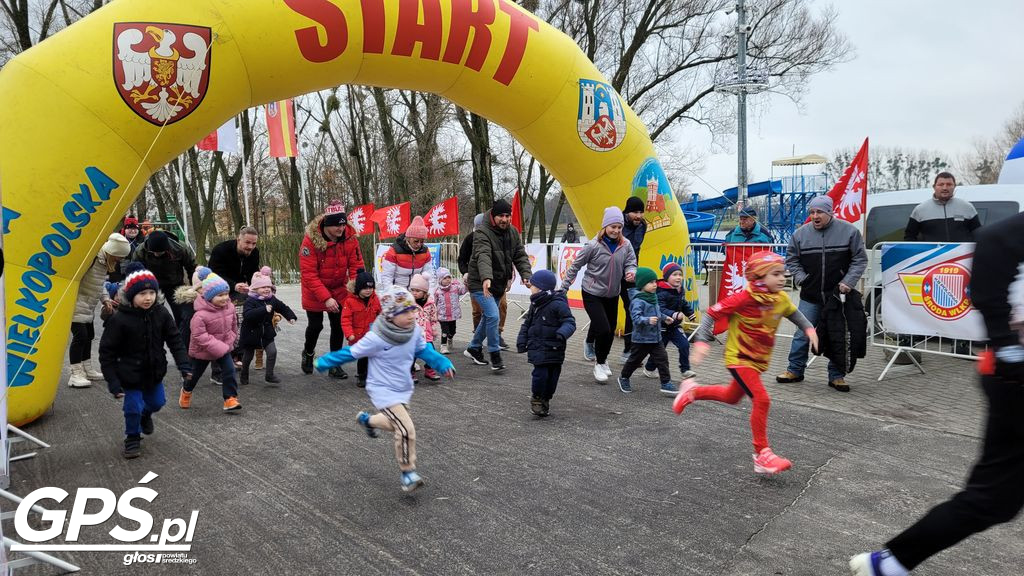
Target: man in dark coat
236,261
497,249
171,262
465,255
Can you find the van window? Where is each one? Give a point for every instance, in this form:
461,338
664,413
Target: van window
887,223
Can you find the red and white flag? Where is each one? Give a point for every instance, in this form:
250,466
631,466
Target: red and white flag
393,220
360,219
281,128
734,277
224,139
850,194
443,219
517,211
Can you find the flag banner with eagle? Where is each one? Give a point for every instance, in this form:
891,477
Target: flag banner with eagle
162,71
849,195
393,220
443,219
281,129
360,219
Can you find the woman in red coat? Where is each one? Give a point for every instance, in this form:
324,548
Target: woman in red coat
329,259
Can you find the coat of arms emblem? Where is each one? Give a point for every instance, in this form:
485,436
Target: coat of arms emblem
601,122
161,70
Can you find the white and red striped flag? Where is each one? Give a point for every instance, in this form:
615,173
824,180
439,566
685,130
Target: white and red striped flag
223,139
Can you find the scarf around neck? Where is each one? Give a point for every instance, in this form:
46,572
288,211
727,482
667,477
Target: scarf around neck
762,294
390,333
649,297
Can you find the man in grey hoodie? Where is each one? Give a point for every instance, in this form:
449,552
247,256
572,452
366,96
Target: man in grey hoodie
823,255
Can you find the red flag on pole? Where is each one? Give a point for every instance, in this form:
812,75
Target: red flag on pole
443,219
360,219
223,139
849,195
281,128
392,220
517,211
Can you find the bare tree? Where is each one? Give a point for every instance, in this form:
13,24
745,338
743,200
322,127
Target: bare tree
983,164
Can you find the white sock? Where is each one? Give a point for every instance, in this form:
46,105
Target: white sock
891,566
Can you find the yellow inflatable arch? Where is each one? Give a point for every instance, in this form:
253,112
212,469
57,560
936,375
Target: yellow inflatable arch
91,113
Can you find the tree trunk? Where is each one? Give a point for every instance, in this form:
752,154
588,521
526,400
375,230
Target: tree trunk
554,219
478,133
387,133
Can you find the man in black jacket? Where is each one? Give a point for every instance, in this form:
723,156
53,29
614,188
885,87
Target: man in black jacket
993,493
236,261
171,262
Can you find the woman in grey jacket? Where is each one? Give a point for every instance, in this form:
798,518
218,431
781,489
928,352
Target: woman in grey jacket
609,258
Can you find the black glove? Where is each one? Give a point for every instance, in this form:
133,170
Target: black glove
1010,363
115,389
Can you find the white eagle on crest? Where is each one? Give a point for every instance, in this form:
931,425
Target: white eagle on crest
437,218
162,80
357,220
736,280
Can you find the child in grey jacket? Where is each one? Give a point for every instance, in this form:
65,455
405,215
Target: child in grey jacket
647,317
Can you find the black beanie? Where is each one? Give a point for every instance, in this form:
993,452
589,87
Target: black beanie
634,204
157,241
501,207
364,280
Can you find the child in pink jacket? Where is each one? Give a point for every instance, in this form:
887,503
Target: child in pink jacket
446,297
214,331
426,317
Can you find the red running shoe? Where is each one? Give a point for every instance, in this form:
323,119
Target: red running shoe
766,462
685,396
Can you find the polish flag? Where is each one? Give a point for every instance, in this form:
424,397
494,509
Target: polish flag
224,139
281,128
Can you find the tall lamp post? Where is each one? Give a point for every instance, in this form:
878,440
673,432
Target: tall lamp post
740,82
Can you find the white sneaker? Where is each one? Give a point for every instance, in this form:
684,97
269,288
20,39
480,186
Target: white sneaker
599,374
650,373
688,374
607,369
444,349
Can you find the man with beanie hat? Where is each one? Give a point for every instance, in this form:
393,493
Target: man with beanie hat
407,257
91,293
497,251
171,262
130,230
329,259
826,257
465,255
634,228
749,230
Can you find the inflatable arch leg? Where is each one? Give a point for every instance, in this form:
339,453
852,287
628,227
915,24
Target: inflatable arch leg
92,112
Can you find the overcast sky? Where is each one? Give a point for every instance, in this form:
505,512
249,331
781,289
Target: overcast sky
929,74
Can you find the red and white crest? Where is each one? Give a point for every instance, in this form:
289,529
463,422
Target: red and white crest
161,70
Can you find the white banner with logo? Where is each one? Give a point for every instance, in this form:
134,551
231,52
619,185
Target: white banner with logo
538,255
925,290
378,261
566,255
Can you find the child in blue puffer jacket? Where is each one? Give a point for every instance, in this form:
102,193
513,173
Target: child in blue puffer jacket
647,317
672,300
548,325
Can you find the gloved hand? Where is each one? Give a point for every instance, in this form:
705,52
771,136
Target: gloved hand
1010,363
115,389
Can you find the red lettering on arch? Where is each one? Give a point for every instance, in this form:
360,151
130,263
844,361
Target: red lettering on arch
518,34
464,18
335,28
373,26
409,31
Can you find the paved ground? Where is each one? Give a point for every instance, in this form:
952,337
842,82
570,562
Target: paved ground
609,484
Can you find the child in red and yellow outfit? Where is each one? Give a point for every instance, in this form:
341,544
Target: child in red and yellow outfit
753,316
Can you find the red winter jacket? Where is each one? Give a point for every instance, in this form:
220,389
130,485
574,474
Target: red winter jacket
327,266
357,316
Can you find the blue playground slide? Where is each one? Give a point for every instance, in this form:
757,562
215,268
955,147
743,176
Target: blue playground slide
697,212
